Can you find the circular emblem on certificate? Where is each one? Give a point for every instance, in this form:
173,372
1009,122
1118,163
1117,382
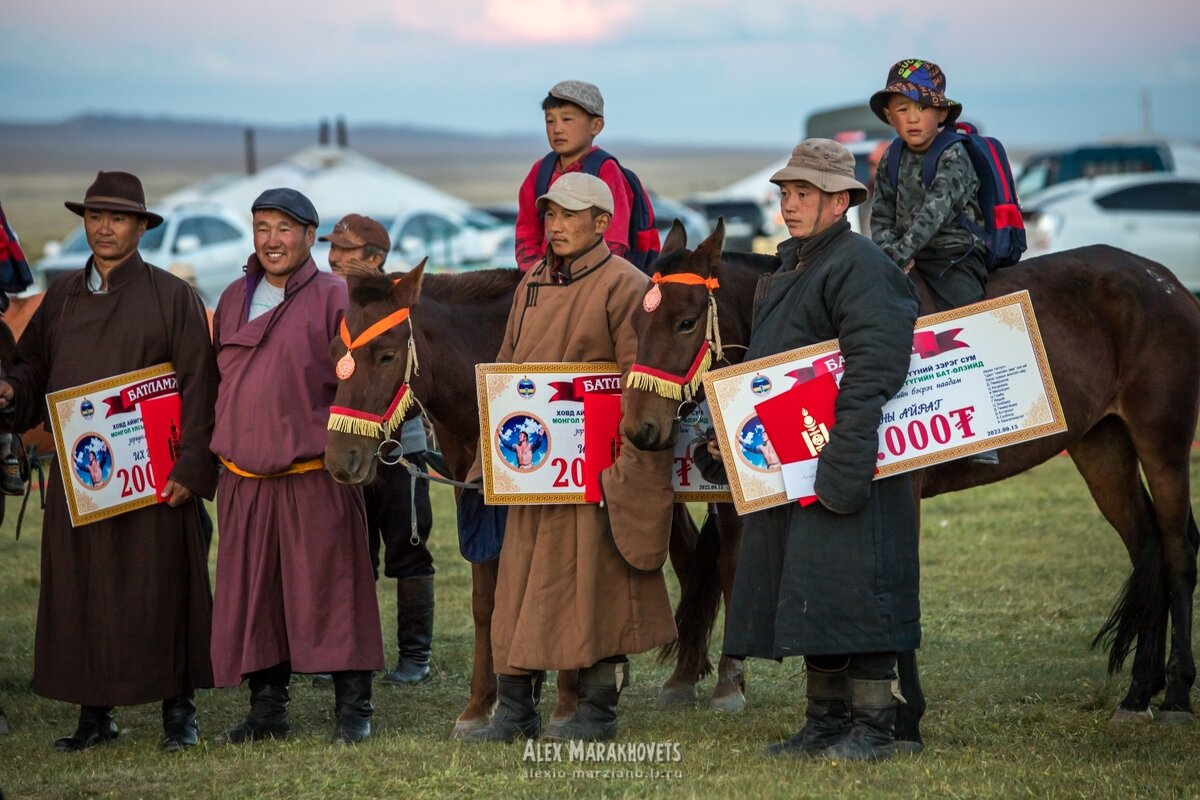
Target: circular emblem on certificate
91,457
522,442
761,384
87,409
526,387
754,446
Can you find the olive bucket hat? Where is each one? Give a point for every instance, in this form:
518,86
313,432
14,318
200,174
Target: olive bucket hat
825,164
922,81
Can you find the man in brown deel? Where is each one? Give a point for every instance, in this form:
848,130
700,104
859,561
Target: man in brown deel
579,586
125,610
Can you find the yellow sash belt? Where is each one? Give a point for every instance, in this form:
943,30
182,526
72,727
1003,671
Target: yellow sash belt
296,468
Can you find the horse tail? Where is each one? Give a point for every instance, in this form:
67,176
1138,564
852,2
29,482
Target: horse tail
699,601
1141,606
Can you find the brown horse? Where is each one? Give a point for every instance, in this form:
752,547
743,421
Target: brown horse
1121,335
457,322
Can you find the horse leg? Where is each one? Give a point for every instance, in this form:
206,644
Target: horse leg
568,695
1106,458
1167,475
730,692
483,676
908,715
690,648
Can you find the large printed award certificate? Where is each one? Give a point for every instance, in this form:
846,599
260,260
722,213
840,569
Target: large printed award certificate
117,440
532,436
978,379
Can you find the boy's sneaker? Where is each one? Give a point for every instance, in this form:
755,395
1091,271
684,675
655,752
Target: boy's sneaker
988,458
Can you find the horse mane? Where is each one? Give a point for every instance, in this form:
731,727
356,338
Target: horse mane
471,288
482,286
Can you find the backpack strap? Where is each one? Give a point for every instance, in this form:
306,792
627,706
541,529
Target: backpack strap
938,146
545,171
893,161
594,160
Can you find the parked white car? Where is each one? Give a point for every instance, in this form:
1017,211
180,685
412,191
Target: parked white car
450,238
1155,215
205,243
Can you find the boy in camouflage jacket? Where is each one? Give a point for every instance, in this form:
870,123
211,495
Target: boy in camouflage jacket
916,226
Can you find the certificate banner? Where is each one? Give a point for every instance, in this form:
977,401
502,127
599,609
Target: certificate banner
102,442
532,440
978,380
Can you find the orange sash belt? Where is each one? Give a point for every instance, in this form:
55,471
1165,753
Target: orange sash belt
297,468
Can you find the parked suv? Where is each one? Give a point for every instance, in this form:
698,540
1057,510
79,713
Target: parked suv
1044,170
205,243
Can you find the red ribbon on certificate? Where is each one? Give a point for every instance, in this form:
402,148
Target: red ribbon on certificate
796,426
601,439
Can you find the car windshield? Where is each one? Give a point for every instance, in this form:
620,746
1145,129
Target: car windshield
76,241
480,220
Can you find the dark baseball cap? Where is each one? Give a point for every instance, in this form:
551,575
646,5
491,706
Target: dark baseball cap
290,202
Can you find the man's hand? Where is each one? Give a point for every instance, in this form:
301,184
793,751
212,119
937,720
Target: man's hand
6,394
176,494
714,450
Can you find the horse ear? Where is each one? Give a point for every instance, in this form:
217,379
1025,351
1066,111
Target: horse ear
407,288
710,249
676,238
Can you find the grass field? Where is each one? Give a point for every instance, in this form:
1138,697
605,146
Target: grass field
1017,577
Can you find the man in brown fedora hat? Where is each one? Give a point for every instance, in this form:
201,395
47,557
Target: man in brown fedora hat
125,608
835,581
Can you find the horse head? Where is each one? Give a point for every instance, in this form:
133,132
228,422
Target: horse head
677,338
374,358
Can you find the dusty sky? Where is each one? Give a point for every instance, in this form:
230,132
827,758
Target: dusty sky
702,71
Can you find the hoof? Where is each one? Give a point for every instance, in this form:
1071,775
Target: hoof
1174,717
464,728
1123,715
677,695
728,701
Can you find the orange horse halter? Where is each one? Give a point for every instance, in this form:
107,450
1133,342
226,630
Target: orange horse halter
363,423
665,384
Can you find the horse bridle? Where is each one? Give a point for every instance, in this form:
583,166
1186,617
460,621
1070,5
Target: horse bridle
344,419
670,386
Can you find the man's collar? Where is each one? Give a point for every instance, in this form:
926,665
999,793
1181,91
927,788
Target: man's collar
120,274
582,264
255,273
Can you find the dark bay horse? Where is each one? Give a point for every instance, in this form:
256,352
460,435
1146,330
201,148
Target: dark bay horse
1122,336
456,322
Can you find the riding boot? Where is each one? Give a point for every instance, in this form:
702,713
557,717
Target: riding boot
873,706
352,693
516,715
414,631
268,717
595,717
826,717
180,728
96,725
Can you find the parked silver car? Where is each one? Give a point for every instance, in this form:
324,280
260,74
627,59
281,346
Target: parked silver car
204,243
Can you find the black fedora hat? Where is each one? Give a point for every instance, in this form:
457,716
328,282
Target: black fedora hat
116,191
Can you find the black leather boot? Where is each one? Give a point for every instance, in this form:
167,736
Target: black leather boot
96,725
516,715
180,728
268,717
595,717
873,717
414,631
826,717
352,693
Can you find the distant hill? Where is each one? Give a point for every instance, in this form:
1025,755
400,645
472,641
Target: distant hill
42,164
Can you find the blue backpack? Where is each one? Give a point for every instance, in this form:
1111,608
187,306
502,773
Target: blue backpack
1003,232
644,244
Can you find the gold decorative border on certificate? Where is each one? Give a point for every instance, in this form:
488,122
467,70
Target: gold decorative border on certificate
1013,310
82,509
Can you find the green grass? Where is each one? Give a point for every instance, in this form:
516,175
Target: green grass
1017,578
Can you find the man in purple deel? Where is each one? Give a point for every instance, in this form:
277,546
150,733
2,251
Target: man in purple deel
294,588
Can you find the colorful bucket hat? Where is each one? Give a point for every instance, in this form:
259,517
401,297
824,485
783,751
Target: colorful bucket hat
922,81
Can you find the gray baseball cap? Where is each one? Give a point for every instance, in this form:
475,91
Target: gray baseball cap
576,191
583,94
290,202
